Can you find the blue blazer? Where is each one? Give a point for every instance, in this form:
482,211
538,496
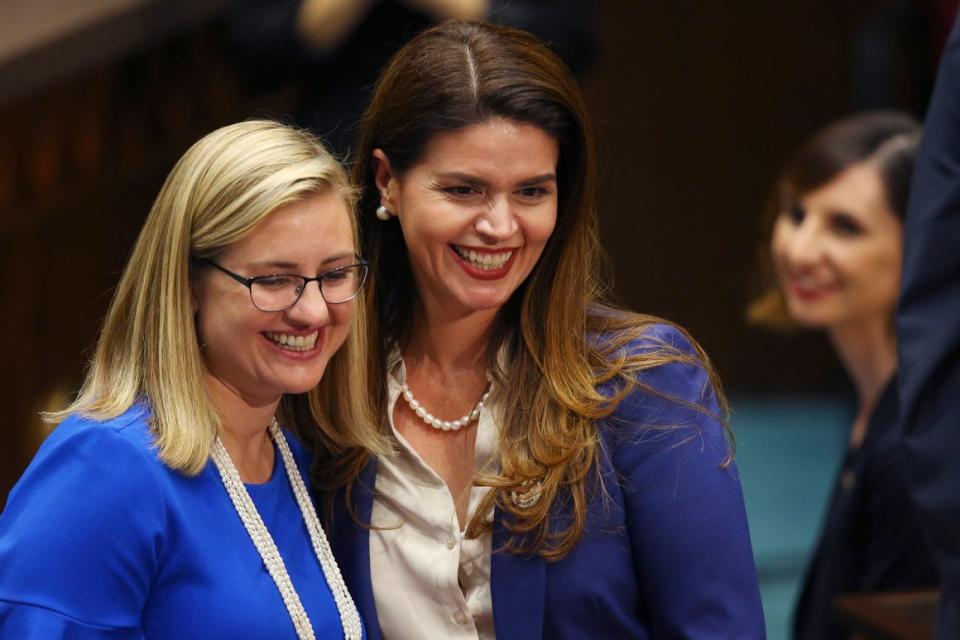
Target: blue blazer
666,555
928,333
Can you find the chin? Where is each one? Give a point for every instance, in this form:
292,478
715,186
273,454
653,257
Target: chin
296,390
812,319
302,384
485,304
486,300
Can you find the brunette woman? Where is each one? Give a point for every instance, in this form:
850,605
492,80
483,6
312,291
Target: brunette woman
561,466
836,250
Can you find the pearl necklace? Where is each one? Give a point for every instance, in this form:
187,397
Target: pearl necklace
267,548
435,422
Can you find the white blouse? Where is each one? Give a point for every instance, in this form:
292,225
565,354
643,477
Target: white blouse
429,580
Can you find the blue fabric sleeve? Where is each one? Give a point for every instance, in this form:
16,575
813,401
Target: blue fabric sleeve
28,622
81,537
684,506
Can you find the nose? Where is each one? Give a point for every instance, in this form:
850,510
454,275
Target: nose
311,309
497,222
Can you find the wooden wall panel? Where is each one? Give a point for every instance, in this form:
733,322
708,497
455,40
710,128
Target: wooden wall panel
697,105
80,164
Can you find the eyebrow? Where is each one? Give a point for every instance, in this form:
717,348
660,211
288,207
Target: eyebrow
547,177
469,179
340,256
290,266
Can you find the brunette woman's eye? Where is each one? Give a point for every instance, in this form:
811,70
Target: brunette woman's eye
795,213
845,225
534,192
461,191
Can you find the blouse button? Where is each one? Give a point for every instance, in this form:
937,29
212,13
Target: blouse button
451,543
459,618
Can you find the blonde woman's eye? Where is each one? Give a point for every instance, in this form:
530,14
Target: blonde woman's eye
338,276
277,282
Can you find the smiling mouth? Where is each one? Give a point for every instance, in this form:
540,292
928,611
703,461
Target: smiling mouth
483,260
807,290
291,342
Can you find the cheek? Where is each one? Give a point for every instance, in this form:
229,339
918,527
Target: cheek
538,228
778,241
882,272
872,260
222,318
343,318
428,232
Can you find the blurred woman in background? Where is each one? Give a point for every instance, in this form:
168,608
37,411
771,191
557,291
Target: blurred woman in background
169,503
562,467
836,256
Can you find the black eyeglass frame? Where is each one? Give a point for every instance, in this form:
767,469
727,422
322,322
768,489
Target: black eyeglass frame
249,282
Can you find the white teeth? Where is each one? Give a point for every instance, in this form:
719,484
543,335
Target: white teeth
482,260
294,343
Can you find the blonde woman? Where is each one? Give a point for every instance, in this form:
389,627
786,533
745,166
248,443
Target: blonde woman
169,503
561,466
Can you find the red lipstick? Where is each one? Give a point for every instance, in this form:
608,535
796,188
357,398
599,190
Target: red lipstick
485,274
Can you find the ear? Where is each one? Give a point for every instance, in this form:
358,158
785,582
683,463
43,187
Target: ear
387,183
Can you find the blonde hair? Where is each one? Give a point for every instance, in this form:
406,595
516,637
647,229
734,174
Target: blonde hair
219,191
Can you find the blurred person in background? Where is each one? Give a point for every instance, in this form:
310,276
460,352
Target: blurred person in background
562,466
836,250
928,329
331,51
168,503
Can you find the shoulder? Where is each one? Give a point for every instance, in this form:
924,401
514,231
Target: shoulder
131,426
92,500
125,437
666,397
662,359
624,333
122,446
656,334
111,462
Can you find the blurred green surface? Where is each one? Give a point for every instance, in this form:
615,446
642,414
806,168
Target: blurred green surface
788,451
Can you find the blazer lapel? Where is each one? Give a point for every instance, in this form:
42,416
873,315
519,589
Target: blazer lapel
518,584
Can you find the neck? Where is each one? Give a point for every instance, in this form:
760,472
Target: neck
450,344
244,430
868,351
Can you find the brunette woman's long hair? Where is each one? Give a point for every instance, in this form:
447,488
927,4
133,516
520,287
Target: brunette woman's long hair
561,339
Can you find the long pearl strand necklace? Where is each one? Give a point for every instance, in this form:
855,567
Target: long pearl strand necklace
267,548
435,422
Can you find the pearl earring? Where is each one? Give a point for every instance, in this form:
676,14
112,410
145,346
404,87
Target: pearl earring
383,213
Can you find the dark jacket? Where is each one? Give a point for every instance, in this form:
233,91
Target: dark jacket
928,333
871,539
